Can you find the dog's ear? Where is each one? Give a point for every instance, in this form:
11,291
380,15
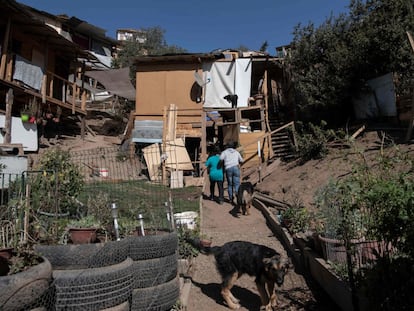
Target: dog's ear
268,262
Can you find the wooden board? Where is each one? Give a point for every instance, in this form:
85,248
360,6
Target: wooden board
248,142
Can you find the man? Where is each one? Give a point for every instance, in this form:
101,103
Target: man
231,159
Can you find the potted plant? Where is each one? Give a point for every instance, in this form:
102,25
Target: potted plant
84,230
29,112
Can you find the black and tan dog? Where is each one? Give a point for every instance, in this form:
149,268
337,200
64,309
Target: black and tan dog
245,197
236,258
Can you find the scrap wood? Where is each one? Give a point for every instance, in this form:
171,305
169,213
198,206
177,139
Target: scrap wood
87,126
256,173
359,131
268,200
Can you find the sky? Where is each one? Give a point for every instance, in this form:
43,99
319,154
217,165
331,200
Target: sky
202,26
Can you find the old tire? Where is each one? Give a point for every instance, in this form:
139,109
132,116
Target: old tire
157,298
81,256
93,288
152,246
152,272
20,290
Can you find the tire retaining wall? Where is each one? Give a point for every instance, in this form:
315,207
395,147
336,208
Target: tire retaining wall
156,284
136,273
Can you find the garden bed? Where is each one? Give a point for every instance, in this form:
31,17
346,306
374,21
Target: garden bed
311,263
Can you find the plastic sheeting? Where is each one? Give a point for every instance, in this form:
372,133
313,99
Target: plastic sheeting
223,78
115,81
379,101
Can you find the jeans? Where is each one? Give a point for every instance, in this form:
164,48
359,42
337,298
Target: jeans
220,189
233,180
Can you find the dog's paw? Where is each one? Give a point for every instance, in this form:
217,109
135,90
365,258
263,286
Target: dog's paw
267,307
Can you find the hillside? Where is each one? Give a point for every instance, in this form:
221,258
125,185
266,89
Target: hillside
291,182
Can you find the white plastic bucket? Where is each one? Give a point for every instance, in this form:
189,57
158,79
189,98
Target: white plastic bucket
186,219
103,172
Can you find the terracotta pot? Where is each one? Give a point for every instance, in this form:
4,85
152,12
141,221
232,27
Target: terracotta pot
334,249
82,235
6,252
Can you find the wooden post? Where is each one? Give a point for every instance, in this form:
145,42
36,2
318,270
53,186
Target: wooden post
4,50
203,155
7,124
411,124
164,146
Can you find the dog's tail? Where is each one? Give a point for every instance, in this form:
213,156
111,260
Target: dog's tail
207,250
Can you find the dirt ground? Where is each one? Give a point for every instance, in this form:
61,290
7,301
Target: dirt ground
288,182
217,222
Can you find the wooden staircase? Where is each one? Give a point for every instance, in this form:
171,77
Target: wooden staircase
282,141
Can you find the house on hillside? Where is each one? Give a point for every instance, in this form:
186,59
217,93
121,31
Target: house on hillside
106,86
51,73
36,62
182,96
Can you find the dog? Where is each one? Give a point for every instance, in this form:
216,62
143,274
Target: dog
245,197
233,259
232,99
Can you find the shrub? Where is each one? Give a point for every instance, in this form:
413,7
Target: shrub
56,183
312,141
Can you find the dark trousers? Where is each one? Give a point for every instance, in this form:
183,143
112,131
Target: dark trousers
220,189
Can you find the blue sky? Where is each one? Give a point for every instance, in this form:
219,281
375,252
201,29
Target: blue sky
202,26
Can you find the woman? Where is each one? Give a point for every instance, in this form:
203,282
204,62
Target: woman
215,174
232,160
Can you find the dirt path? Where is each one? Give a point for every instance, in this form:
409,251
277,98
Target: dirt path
222,226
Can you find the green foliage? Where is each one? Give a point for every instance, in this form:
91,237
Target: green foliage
312,141
56,183
264,46
99,207
375,201
152,42
297,218
331,63
186,249
88,221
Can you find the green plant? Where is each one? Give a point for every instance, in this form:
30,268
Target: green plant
56,183
88,221
99,206
186,249
312,140
22,260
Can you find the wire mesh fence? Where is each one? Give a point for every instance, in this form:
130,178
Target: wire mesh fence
129,271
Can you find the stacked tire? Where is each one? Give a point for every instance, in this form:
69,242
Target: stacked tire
155,280
94,288
91,276
137,273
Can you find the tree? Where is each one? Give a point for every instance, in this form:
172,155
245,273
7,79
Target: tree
264,47
152,42
332,62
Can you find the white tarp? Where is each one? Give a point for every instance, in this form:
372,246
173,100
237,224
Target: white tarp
21,133
223,78
380,101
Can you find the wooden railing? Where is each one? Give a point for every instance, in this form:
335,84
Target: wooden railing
54,88
59,88
266,139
